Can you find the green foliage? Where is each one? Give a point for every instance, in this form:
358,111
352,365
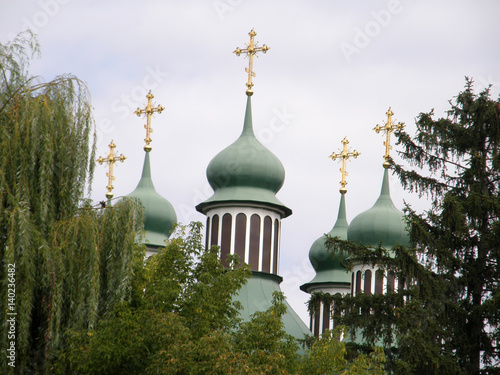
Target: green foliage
328,356
186,323
129,342
72,263
190,280
461,243
181,323
444,318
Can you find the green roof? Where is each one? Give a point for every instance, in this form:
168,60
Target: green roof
383,223
246,171
158,212
257,295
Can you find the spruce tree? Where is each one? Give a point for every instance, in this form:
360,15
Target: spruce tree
445,316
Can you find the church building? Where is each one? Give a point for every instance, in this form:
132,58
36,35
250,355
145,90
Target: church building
244,217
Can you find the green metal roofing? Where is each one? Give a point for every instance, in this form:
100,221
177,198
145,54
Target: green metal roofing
246,171
383,223
328,266
159,213
257,295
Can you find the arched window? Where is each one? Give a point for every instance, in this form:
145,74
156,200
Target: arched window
276,244
240,236
401,283
207,232
225,243
352,284
368,282
316,321
358,282
379,281
390,282
253,256
266,246
214,238
326,317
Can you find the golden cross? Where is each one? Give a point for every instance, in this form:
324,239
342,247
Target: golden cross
110,160
250,51
344,154
388,128
148,110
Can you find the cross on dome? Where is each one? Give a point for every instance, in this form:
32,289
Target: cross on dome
250,51
388,128
148,110
111,159
344,155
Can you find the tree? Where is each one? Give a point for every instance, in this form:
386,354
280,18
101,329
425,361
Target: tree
445,318
181,323
64,264
186,322
328,356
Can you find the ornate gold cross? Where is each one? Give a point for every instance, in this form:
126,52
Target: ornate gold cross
344,154
148,110
388,128
250,51
110,160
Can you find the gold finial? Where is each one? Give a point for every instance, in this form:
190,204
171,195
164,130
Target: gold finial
148,110
110,160
388,128
344,154
250,51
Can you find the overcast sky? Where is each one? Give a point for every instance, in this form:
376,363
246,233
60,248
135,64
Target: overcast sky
333,70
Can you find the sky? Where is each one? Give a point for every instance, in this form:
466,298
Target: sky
332,71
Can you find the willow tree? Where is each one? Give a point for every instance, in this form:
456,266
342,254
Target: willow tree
445,317
63,263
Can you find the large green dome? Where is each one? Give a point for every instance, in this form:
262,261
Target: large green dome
246,171
328,266
159,213
383,223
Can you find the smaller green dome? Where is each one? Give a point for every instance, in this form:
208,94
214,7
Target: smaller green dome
246,171
159,214
383,223
328,266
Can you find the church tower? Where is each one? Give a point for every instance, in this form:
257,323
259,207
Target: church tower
244,216
159,214
331,276
382,224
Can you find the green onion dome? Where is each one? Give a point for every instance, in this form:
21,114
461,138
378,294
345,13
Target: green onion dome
328,266
383,223
245,171
159,213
